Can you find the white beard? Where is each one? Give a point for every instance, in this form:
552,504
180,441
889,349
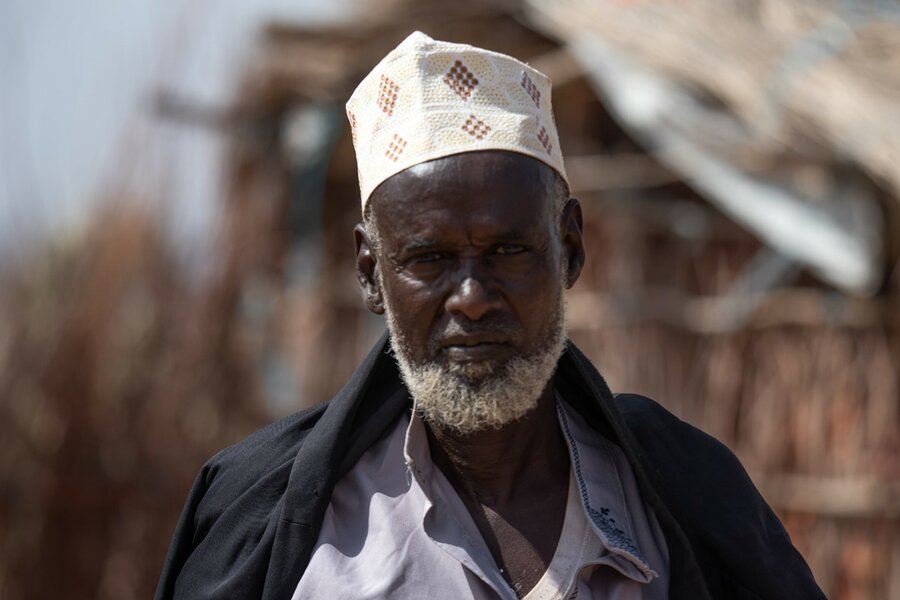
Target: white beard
471,397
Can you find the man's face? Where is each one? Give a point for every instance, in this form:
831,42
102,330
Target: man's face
471,269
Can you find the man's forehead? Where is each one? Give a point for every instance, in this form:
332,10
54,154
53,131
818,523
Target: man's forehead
483,174
496,195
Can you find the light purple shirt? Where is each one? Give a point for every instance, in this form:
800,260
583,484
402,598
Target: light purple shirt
396,528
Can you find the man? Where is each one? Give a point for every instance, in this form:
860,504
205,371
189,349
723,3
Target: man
475,453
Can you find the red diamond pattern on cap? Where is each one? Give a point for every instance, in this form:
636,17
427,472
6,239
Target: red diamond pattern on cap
395,148
476,127
461,80
544,139
531,89
387,95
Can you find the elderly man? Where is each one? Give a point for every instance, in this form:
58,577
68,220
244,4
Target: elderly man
475,453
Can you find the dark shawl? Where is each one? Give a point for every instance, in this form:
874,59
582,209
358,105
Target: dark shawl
251,520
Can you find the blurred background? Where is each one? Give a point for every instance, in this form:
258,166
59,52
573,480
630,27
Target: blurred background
178,189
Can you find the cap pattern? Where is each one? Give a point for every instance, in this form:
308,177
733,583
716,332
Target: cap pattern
461,80
428,99
387,95
544,138
395,148
531,89
476,127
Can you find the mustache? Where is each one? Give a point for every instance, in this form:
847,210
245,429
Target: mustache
453,328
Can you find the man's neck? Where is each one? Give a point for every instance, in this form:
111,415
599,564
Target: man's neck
493,465
514,483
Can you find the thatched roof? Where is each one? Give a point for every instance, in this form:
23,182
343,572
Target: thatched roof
816,77
765,107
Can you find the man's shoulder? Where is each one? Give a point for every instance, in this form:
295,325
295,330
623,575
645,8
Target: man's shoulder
701,479
275,441
654,426
231,505
709,492
636,405
685,460
264,453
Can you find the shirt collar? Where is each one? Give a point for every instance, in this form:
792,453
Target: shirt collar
416,452
600,489
596,482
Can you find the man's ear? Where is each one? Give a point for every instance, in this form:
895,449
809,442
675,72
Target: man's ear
366,271
571,233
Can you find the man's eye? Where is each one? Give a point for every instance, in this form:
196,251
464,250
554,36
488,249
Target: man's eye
509,249
428,257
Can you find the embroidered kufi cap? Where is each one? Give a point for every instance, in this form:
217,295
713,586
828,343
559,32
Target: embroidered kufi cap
428,99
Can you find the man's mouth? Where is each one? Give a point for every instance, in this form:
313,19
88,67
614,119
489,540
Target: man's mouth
476,348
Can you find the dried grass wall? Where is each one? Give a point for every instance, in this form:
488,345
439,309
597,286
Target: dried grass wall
805,390
119,377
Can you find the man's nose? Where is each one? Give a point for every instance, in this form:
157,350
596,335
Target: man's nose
473,295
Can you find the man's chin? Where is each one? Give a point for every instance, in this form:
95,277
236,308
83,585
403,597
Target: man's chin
474,374
468,377
475,396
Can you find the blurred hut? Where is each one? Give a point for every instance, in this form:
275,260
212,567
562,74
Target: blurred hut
119,377
737,166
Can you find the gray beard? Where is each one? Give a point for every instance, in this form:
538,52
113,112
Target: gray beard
471,397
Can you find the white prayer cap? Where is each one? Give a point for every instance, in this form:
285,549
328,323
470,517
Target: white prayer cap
427,99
